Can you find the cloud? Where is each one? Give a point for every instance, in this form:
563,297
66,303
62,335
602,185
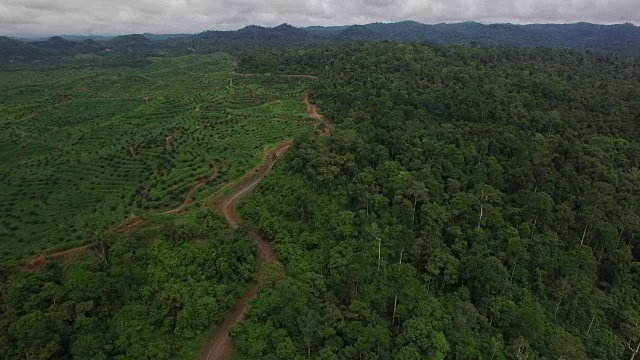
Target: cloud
48,17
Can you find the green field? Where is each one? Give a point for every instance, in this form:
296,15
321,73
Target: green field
90,146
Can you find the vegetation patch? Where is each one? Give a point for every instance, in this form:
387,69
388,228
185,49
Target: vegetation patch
90,145
472,203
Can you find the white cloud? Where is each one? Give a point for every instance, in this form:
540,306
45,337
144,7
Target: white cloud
48,17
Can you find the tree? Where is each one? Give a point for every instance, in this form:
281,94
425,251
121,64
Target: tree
418,337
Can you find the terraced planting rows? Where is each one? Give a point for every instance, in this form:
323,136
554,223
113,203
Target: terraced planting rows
92,147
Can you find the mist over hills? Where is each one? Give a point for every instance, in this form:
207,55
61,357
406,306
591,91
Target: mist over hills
623,39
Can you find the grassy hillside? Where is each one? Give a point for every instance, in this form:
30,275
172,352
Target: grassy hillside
99,145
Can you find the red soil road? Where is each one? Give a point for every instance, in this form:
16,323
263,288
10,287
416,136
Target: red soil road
244,75
219,346
292,75
226,205
313,112
303,76
38,262
29,116
133,222
194,187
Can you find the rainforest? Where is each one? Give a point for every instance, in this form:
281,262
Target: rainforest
353,200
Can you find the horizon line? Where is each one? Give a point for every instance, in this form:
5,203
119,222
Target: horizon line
49,35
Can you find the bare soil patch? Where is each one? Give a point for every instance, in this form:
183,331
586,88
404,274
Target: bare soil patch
312,111
38,262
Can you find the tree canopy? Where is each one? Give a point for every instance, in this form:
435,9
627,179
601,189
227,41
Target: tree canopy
142,295
473,203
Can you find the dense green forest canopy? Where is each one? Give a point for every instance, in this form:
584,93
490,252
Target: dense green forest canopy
473,203
149,294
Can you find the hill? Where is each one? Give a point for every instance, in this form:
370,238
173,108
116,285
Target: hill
621,38
283,31
325,30
133,40
56,43
89,46
17,51
254,37
358,32
157,37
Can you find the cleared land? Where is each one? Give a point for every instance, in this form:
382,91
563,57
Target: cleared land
96,146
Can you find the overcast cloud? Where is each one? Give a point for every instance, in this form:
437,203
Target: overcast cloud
47,17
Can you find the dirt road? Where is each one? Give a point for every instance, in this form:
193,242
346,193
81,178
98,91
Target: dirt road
313,112
194,187
303,76
226,205
283,75
38,262
219,346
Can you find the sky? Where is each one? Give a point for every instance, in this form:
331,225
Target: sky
112,17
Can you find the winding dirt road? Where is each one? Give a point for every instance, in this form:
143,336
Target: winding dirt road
312,111
283,75
219,346
226,205
194,187
38,262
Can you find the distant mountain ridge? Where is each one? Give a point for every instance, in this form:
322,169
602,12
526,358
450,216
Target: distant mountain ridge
132,40
621,39
56,43
624,38
283,31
